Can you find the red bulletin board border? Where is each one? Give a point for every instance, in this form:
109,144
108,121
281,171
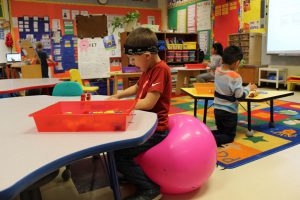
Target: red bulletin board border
20,8
226,24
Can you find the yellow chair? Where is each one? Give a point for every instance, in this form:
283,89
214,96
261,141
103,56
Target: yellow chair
75,76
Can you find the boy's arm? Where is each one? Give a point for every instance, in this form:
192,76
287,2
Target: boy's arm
148,102
240,92
125,93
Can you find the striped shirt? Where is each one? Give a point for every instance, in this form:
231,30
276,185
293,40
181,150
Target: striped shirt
228,89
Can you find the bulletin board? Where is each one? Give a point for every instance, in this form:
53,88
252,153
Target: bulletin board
226,20
91,26
250,17
35,29
62,18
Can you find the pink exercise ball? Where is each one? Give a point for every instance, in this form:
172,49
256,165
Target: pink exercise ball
185,159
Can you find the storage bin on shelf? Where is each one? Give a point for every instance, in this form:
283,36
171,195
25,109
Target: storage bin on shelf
185,58
85,116
170,58
192,53
178,59
204,88
192,58
130,69
170,46
178,46
170,53
189,45
185,53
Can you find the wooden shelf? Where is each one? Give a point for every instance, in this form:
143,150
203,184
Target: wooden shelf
250,43
186,37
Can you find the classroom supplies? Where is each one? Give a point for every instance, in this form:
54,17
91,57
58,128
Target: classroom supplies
85,116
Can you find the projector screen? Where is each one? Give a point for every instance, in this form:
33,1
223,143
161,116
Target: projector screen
284,27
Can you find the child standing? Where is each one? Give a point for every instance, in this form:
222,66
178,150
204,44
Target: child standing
43,56
228,90
215,61
153,92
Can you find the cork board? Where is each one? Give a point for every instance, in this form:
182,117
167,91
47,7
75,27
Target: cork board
91,26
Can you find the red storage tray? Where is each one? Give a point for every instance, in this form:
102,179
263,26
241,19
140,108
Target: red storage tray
90,116
195,66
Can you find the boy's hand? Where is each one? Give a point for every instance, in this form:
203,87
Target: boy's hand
113,97
252,87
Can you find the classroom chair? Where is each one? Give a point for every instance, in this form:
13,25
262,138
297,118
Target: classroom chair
75,76
67,88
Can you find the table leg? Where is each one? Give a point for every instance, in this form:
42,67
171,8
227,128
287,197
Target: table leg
195,107
115,84
205,110
271,123
179,81
125,83
250,131
108,86
114,182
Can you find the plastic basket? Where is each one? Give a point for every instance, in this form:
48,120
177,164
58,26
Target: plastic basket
195,66
130,69
88,116
204,88
189,45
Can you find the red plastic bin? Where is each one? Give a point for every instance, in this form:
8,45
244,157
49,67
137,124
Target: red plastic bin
195,66
88,116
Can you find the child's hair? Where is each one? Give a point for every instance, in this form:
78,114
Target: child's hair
39,46
141,40
232,54
218,48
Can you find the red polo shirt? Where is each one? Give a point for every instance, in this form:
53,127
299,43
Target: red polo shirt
158,79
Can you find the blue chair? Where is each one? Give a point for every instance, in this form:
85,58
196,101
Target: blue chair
67,88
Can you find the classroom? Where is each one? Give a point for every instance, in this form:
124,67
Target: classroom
149,99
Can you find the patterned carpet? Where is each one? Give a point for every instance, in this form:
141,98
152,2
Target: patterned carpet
265,141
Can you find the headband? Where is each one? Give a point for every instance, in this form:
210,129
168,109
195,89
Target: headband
140,50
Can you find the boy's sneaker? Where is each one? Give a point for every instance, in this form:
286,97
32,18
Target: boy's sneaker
146,195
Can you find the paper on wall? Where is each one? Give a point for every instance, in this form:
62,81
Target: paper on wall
204,15
55,25
93,59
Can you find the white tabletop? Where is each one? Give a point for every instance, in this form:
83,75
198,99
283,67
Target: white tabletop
27,155
14,85
187,69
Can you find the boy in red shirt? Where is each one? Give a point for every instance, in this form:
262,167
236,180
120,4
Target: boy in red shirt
153,92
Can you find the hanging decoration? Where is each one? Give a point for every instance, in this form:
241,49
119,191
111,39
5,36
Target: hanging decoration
9,40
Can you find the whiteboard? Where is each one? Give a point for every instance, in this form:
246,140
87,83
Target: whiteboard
93,58
283,27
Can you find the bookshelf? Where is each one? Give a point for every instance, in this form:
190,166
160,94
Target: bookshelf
184,48
250,43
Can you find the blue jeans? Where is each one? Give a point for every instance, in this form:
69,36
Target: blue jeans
131,170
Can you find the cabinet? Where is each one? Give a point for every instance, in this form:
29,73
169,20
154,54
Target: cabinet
249,73
182,48
250,43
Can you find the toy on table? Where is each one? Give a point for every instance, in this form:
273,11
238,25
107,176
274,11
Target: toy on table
253,94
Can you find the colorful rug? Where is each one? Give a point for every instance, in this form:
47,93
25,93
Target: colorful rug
265,141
